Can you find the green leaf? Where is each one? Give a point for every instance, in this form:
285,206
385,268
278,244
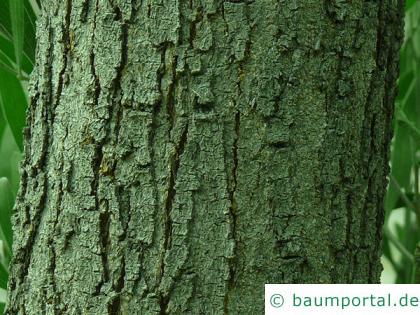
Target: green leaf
4,275
17,15
13,102
7,147
398,245
4,257
35,6
5,25
402,146
3,296
409,4
7,61
6,206
31,13
2,126
401,203
7,49
7,56
15,158
386,251
6,37
402,117
400,165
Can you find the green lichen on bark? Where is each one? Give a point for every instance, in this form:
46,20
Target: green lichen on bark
181,154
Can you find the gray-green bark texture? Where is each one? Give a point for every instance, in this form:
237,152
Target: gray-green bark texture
180,154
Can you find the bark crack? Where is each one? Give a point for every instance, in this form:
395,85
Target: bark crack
175,163
115,306
97,89
233,213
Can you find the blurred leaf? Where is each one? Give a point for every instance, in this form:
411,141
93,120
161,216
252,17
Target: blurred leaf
4,274
35,5
406,86
17,14
400,202
406,264
15,158
13,103
402,147
409,4
400,165
3,295
400,246
402,117
31,12
7,147
6,206
386,251
4,256
5,25
2,126
7,56
403,276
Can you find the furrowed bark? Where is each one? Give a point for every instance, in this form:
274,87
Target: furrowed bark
181,154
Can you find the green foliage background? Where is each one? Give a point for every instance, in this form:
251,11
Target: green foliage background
401,247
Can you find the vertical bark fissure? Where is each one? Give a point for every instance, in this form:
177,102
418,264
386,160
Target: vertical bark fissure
240,64
349,209
115,305
66,38
51,243
164,300
103,216
54,105
115,112
233,212
167,99
368,134
96,166
92,59
171,111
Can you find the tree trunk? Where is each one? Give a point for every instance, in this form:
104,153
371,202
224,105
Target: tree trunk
181,154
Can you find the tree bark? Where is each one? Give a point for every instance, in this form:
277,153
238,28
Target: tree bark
181,154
